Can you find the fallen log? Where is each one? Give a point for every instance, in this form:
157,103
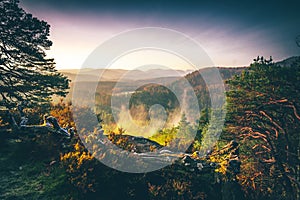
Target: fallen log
50,125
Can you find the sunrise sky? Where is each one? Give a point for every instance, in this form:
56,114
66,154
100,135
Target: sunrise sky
231,33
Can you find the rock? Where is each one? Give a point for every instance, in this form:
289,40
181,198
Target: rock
187,160
165,151
52,162
199,166
194,164
213,165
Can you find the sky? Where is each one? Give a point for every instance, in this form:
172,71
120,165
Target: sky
232,33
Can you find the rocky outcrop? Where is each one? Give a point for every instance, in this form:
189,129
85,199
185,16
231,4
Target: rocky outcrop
134,144
231,150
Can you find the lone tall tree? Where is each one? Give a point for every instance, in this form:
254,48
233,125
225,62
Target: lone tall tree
25,72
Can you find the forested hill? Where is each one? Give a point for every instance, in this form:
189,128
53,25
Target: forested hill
197,82
164,96
144,96
226,73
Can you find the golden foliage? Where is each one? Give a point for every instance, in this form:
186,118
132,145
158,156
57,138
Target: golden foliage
79,166
62,111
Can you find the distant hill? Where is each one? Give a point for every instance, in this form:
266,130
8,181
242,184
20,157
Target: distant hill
197,82
143,97
153,94
147,82
289,61
126,79
92,75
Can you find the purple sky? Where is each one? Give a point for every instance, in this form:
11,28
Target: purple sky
232,34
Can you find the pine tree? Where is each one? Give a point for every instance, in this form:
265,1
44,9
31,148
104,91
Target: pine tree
26,74
263,108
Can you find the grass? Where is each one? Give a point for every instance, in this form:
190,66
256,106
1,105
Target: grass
25,174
